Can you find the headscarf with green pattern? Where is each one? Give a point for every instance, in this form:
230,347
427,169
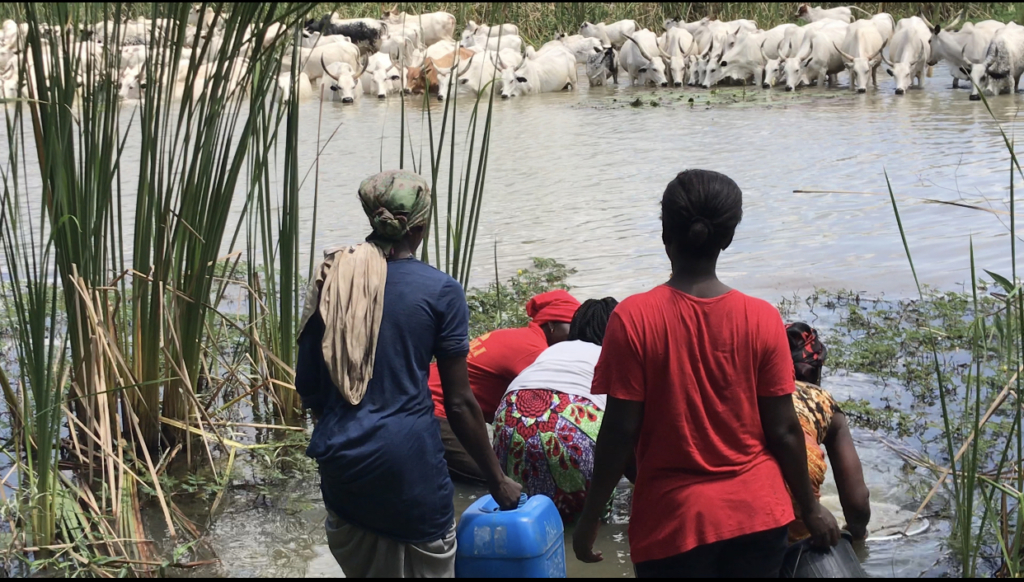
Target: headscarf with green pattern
394,201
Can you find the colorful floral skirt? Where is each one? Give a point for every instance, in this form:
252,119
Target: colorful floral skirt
545,441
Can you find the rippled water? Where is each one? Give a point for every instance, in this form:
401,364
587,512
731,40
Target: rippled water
578,176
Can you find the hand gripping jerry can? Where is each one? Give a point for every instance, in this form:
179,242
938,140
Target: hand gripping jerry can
526,542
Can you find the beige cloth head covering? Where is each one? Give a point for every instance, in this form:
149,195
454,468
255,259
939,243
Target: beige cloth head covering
348,286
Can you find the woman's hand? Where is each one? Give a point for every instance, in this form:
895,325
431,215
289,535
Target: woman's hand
823,527
859,532
506,493
583,540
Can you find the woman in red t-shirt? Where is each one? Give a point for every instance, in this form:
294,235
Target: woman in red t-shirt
721,433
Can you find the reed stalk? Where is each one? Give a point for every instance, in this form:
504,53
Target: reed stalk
120,340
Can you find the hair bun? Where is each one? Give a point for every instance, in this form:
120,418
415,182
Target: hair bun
700,231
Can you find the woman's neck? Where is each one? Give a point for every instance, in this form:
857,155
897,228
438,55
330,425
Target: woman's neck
697,276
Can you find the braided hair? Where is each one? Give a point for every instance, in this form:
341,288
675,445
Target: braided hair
591,319
808,352
700,210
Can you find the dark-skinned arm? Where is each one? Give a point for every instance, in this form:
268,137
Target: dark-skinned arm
467,422
853,492
310,365
615,443
785,440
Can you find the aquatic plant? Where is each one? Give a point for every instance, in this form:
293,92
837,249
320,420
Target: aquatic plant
114,338
980,463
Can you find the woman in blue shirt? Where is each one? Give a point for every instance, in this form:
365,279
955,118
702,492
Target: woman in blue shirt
375,317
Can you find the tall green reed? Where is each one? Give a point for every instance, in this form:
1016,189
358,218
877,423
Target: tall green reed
112,336
985,466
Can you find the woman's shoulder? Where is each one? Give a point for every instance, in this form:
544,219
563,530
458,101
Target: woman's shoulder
424,273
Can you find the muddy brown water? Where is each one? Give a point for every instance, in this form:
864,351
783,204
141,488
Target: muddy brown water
578,177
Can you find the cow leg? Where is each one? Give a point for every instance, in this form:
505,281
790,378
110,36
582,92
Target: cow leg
956,83
1016,83
758,76
821,79
874,76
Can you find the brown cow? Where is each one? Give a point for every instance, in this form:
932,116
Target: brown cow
416,81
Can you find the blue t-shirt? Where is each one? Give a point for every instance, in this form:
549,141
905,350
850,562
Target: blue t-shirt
382,464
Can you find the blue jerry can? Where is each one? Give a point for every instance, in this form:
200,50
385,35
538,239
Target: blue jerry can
526,542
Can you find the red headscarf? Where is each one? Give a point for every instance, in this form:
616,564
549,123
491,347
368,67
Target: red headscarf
555,305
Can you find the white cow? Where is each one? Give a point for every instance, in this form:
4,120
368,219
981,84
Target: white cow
744,61
382,76
643,60
505,58
792,40
862,53
963,49
818,57
284,81
1004,60
481,43
908,53
582,47
678,44
474,29
603,64
312,63
808,14
342,81
615,34
435,25
473,74
552,71
885,25
973,55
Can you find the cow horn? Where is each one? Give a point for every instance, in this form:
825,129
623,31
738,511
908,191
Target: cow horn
810,50
926,22
880,49
324,66
366,63
521,65
778,49
711,47
469,63
761,48
846,56
956,20
884,60
643,53
499,63
685,53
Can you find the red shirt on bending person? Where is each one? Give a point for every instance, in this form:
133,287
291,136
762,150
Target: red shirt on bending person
494,361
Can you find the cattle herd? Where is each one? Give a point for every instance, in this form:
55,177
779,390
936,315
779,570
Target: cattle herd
347,58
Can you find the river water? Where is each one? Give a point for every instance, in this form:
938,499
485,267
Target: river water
578,177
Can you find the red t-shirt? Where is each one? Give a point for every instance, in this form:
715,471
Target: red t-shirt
494,360
704,473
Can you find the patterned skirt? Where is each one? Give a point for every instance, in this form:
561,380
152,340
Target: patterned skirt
545,441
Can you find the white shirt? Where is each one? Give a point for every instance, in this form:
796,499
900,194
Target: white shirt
566,367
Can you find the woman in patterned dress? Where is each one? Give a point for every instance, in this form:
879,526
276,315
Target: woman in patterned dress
546,424
825,424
